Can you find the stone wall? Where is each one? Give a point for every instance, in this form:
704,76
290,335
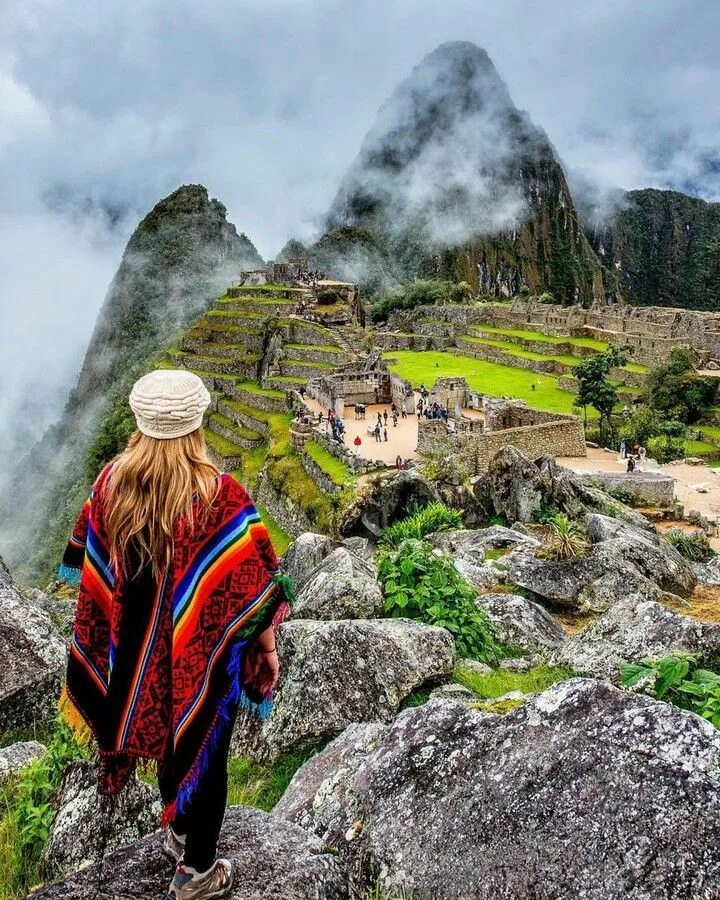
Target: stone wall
476,449
642,487
339,389
397,341
453,394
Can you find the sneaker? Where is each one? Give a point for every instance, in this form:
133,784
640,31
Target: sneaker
188,884
173,845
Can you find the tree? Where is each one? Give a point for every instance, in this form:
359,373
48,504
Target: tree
677,391
596,390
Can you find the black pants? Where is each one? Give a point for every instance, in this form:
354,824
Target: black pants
202,821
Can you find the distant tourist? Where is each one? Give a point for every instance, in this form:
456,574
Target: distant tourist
376,432
385,433
357,441
642,452
403,413
631,464
623,449
385,416
399,464
394,418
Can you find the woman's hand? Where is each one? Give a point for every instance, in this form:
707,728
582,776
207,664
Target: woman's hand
269,670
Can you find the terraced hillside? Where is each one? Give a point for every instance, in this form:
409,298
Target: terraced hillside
252,352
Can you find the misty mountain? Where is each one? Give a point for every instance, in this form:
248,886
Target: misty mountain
454,181
180,257
665,248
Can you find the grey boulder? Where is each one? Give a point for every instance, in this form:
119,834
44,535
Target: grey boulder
342,586
272,860
631,629
306,552
708,572
18,756
335,673
521,623
86,825
473,544
32,659
552,801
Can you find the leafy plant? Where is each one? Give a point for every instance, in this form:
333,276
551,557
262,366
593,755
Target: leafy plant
567,539
679,680
693,545
677,391
595,388
420,521
423,584
665,449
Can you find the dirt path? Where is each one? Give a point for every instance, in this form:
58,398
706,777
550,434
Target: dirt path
687,478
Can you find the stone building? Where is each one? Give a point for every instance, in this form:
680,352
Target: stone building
357,385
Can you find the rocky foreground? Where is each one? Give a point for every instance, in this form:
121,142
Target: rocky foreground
584,790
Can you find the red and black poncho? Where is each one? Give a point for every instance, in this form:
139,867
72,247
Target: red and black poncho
158,668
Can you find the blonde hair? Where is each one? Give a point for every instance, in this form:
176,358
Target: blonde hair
153,482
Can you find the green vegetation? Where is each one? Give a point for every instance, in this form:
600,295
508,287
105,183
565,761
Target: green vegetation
539,337
676,390
597,391
261,785
567,539
281,540
421,293
495,379
693,545
335,470
288,478
514,349
698,448
26,814
502,681
679,680
420,584
420,521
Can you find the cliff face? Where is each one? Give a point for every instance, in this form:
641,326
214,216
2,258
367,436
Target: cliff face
180,257
665,247
453,180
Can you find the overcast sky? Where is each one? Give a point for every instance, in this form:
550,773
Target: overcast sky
111,105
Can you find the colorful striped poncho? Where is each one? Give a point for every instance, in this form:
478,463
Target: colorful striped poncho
157,670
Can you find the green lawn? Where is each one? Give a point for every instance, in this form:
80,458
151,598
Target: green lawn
494,379
700,448
712,431
517,350
545,338
336,470
281,540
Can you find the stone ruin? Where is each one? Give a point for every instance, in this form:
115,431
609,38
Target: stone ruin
475,439
355,384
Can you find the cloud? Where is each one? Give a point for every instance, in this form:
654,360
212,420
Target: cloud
105,108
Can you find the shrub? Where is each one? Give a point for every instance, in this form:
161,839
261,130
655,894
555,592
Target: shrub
422,584
693,545
567,539
422,520
665,449
679,680
422,292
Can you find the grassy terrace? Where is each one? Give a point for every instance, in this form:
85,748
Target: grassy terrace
495,379
241,431
516,350
700,448
221,445
326,348
252,387
592,343
336,470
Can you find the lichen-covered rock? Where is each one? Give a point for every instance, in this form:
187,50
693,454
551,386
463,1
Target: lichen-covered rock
649,553
86,825
385,498
559,581
338,672
631,629
305,553
342,586
520,622
32,659
473,544
512,484
272,860
19,755
586,792
616,584
708,572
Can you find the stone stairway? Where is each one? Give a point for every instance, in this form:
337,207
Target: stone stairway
352,340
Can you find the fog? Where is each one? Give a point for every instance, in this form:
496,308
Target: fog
105,108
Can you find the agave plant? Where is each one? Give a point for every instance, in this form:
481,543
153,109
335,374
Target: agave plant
567,539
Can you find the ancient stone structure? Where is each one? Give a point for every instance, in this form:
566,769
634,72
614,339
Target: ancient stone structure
533,431
368,386
652,488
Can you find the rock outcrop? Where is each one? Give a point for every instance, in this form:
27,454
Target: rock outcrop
32,659
342,586
335,673
521,623
634,628
272,859
86,825
387,497
18,756
552,800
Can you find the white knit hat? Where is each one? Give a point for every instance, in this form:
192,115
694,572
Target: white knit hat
169,403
